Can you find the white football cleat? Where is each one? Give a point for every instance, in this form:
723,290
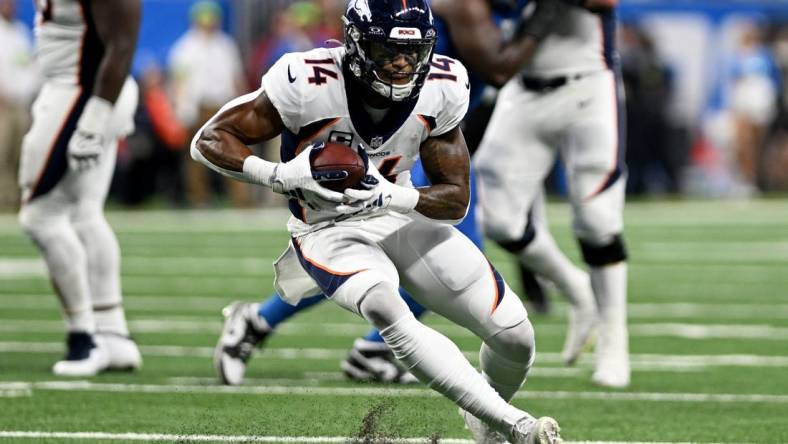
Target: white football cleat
370,361
84,357
482,433
582,317
544,430
122,351
612,367
582,321
237,342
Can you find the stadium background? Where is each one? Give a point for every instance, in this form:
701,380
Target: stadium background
682,61
708,313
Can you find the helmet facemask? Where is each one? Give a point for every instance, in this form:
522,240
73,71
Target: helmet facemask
372,60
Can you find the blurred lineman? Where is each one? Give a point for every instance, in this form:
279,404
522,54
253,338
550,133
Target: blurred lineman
87,103
568,100
18,85
381,95
370,359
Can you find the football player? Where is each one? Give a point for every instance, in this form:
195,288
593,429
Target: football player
386,94
249,324
572,97
68,156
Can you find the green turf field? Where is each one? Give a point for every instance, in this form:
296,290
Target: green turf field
708,324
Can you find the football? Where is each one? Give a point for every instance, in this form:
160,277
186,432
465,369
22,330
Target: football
338,157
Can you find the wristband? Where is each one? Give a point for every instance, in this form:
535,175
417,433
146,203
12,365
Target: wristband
96,116
259,171
404,199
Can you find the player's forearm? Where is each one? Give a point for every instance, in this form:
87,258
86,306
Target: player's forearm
113,71
221,149
444,202
117,24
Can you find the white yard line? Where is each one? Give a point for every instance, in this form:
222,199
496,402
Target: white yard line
318,378
212,305
87,386
15,390
154,437
639,361
336,329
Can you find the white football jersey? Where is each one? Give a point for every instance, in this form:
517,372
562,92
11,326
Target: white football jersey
579,42
309,91
68,48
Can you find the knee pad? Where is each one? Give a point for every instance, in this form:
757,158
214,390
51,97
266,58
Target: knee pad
38,223
516,246
382,305
516,343
598,256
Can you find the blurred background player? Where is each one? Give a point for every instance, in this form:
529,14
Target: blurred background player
568,99
481,42
87,101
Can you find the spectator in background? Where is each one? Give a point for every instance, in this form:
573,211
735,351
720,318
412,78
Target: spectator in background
775,162
301,26
753,103
649,155
206,68
18,84
152,162
288,34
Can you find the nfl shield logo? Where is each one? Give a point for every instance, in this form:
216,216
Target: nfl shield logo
376,142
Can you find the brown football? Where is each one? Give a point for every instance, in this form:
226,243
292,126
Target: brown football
338,157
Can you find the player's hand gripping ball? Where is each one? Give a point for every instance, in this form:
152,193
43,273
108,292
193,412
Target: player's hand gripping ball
337,167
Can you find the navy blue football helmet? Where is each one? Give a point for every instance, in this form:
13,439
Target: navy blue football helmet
379,31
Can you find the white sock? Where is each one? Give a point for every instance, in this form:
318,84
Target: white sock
259,323
610,289
103,265
504,375
437,362
544,257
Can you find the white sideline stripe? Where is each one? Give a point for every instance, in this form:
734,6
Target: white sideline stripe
680,330
638,361
250,438
397,392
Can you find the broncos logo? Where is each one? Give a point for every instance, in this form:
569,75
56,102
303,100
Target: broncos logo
362,9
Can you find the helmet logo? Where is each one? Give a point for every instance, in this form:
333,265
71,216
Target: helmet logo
362,9
405,33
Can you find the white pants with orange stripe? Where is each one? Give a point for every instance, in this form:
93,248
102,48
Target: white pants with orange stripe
435,263
580,120
43,165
